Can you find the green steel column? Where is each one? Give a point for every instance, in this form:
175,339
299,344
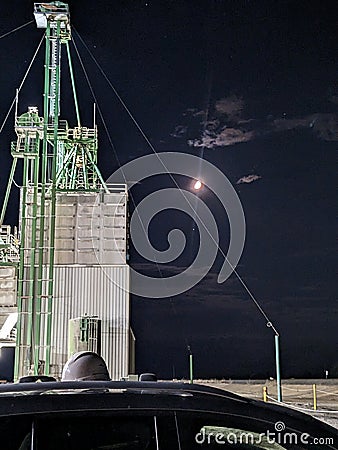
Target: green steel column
85,175
36,298
61,173
104,186
8,190
278,376
43,169
52,214
73,85
19,335
32,255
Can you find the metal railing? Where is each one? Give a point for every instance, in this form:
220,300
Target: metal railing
9,245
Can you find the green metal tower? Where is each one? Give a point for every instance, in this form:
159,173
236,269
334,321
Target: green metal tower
56,158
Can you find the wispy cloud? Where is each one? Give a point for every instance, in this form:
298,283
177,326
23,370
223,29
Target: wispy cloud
325,126
231,106
248,179
222,138
227,125
180,130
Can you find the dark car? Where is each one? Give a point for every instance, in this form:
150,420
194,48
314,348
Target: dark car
88,415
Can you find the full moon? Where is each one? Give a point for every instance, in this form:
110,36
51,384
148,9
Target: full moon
197,185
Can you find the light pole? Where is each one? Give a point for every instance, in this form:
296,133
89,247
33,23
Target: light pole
270,325
191,365
277,356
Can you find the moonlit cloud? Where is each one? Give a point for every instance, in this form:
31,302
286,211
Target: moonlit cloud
180,130
227,125
223,138
325,126
248,179
231,106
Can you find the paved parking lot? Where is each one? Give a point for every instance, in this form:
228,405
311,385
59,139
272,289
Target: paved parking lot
296,394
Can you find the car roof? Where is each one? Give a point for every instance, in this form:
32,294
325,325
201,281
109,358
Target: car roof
168,386
165,396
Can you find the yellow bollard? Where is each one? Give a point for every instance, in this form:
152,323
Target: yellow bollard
265,394
314,397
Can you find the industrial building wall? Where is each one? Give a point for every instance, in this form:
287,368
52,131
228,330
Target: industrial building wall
90,275
101,291
8,293
90,227
8,280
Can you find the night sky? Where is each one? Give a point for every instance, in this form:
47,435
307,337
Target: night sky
251,87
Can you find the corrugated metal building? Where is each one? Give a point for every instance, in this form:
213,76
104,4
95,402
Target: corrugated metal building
93,291
91,275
